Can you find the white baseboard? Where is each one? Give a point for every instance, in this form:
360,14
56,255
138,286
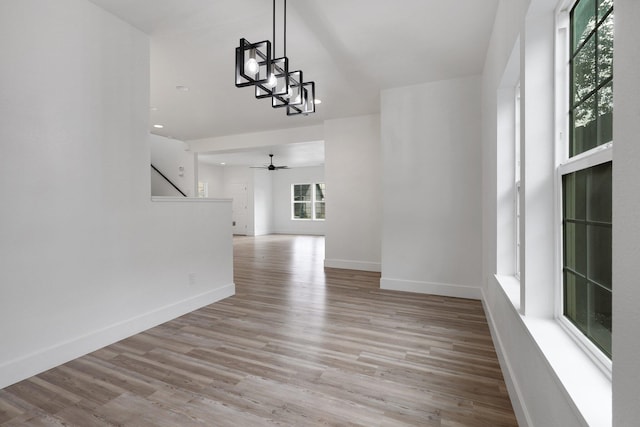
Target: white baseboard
443,289
352,265
298,233
32,364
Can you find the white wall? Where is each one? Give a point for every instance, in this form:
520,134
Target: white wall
626,205
214,176
263,201
85,257
283,179
432,198
354,202
170,156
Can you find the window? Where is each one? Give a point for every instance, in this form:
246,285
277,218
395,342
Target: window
308,201
319,201
203,189
586,175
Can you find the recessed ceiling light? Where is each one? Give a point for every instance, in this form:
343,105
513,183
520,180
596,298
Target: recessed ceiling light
182,88
223,163
317,101
154,108
158,126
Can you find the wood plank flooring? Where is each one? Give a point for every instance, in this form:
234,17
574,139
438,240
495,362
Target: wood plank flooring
298,345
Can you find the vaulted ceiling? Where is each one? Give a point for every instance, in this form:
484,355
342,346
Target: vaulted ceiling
352,49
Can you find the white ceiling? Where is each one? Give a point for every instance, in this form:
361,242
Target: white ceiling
299,154
352,49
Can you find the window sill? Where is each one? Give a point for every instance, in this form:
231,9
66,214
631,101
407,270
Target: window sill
582,381
511,287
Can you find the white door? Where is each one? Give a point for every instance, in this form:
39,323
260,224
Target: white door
240,214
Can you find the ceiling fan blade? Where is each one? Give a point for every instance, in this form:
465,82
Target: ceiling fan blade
270,166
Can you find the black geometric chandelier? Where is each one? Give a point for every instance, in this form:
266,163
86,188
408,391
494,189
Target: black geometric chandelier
257,66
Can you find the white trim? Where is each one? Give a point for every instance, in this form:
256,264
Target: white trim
595,354
58,354
586,387
513,387
352,265
433,288
593,157
291,232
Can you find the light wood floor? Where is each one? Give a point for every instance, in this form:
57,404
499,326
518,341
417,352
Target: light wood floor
298,345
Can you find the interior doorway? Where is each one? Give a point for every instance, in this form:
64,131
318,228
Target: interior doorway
240,213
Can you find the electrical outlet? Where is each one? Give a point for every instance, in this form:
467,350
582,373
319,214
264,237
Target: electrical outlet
192,278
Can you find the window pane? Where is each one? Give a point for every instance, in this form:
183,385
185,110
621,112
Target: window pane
576,300
302,210
320,192
320,210
584,67
583,21
599,206
584,127
302,192
600,319
603,7
600,255
575,190
575,247
605,49
605,114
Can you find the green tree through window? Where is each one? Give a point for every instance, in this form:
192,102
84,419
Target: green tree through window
591,75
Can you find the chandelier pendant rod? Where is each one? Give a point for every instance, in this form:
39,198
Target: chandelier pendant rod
284,44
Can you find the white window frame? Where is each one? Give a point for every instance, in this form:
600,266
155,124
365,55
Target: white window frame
518,178
313,202
566,165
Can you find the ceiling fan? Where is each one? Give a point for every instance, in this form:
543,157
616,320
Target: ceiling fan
271,166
